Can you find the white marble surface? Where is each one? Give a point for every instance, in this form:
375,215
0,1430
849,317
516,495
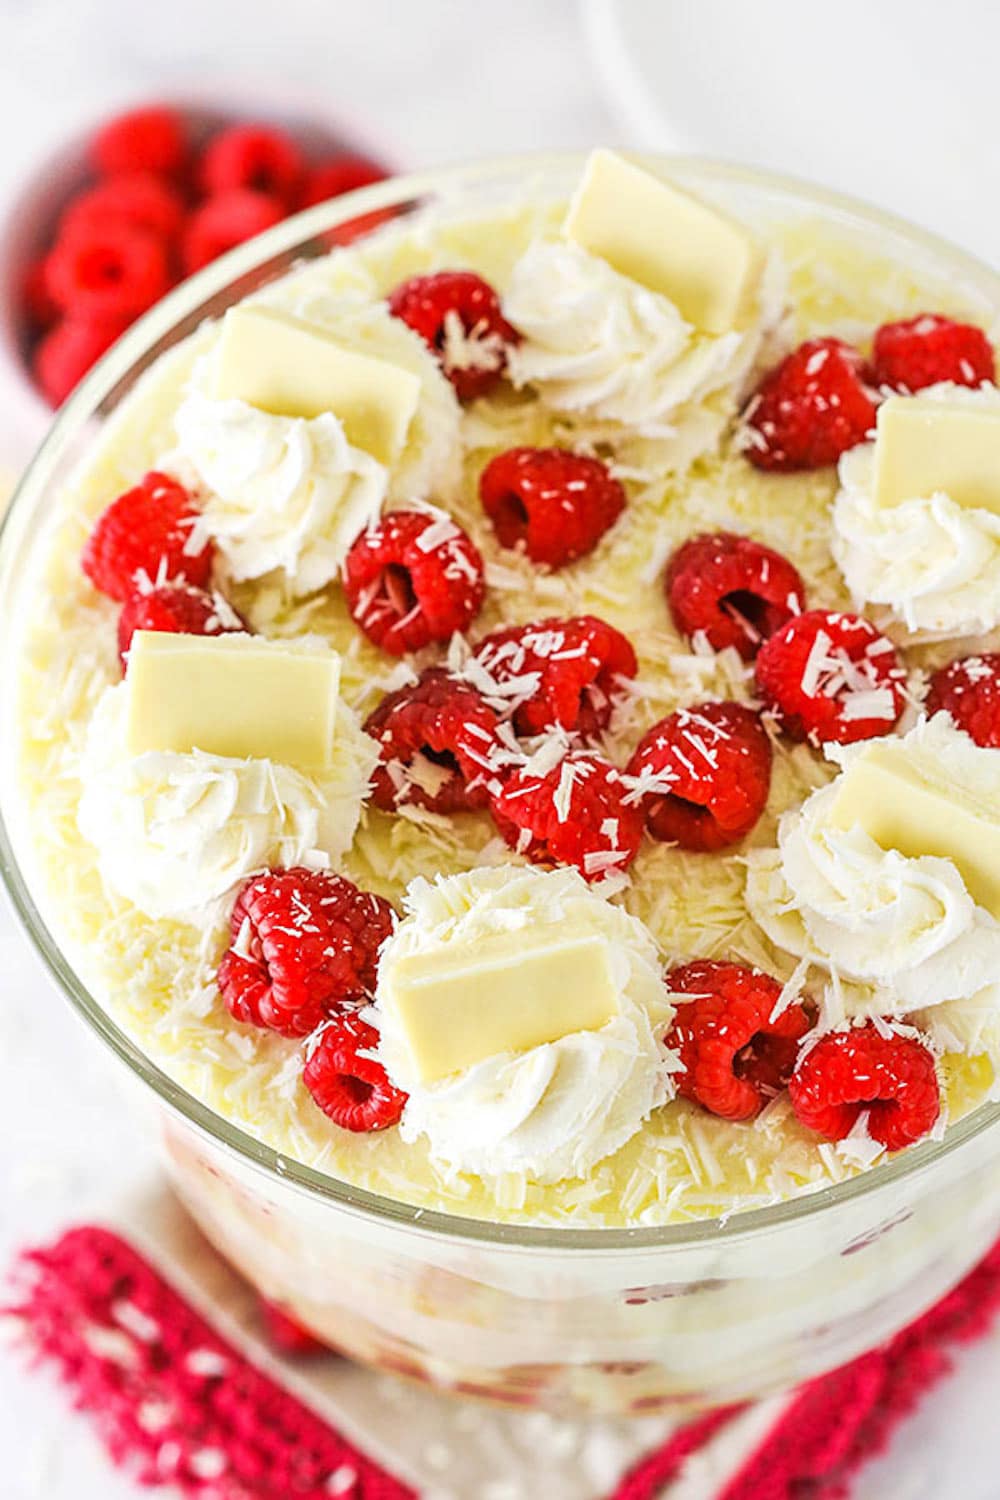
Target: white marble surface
430,81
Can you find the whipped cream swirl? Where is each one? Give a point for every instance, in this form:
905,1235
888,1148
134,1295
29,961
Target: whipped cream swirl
906,926
174,832
555,1110
933,562
597,342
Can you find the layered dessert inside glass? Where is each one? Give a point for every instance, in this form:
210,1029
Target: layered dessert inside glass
511,710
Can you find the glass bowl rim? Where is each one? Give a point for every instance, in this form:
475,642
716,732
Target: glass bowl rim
357,1202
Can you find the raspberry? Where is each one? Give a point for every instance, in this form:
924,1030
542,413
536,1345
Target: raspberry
178,609
702,775
144,537
922,351
892,1077
224,221
153,139
411,579
969,689
458,315
435,739
349,1086
557,673
41,310
109,272
286,1334
553,504
137,199
252,156
736,592
735,1056
340,174
304,944
810,408
831,677
67,352
575,814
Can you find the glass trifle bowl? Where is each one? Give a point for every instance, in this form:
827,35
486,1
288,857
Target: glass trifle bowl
676,1315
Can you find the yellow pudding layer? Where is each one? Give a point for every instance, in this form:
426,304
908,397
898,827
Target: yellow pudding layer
156,978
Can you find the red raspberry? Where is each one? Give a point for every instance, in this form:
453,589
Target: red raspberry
554,504
144,537
139,199
304,944
735,1056
810,409
178,609
224,221
349,1086
922,351
831,677
735,591
451,729
42,311
110,272
286,1334
153,139
575,814
340,174
458,315
702,775
252,156
68,351
969,689
564,673
411,579
893,1077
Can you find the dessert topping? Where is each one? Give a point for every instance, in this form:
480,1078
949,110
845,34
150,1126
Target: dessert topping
178,609
831,677
734,591
575,814
437,740
810,408
928,349
928,444
890,1077
459,317
969,690
347,1082
145,536
552,504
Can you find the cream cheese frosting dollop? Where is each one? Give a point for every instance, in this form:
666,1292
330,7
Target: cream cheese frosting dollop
908,927
174,832
933,562
555,1110
597,342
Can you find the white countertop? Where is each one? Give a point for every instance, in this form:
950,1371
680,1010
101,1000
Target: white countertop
428,81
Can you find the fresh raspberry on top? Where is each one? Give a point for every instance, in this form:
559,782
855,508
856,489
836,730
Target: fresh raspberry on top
224,221
140,199
63,357
413,578
304,945
732,590
339,174
179,609
892,1077
810,408
153,139
108,271
556,673
702,775
921,351
438,744
261,157
346,1082
458,315
144,537
735,1056
552,504
969,689
831,677
575,814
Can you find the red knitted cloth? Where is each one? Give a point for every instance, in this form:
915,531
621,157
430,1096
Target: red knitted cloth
175,1403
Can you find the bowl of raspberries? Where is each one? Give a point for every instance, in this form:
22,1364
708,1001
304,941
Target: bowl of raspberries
147,198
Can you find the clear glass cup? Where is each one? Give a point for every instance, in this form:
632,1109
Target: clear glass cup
684,1317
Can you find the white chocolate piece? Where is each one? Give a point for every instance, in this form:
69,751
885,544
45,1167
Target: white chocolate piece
462,1003
291,368
924,445
902,807
232,695
671,242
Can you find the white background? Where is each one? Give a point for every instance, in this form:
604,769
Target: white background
426,81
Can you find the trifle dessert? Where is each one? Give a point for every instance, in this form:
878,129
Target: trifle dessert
510,719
